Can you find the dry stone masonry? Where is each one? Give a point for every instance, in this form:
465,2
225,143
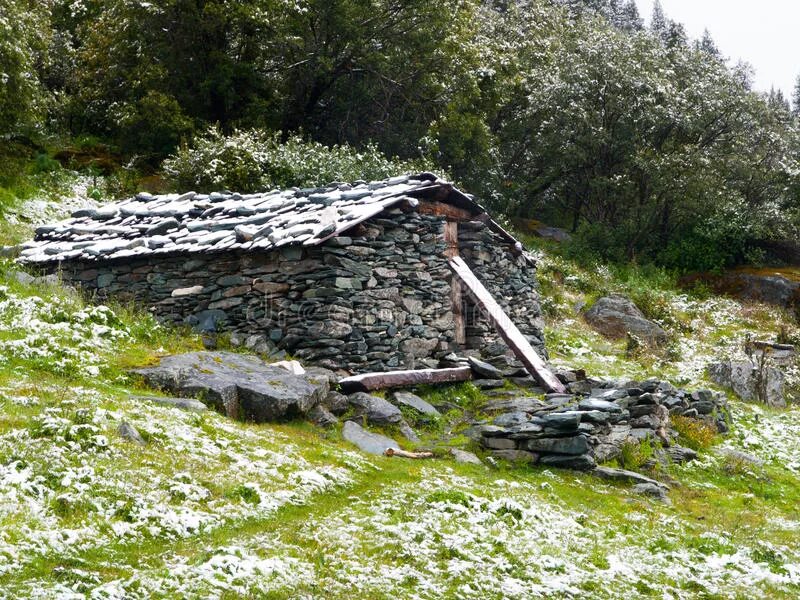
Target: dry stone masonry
348,276
591,424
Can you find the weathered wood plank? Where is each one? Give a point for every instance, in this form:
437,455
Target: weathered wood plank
456,301
389,379
440,209
506,328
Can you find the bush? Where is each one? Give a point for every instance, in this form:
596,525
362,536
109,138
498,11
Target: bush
693,433
255,160
152,126
45,164
635,454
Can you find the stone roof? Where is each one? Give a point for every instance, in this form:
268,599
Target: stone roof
147,225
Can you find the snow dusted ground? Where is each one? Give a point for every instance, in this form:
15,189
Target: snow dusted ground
197,514
70,486
64,336
702,330
54,206
212,508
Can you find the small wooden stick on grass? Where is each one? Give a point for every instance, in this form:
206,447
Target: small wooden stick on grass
406,454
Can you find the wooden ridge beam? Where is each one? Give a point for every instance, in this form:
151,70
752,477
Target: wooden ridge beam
506,328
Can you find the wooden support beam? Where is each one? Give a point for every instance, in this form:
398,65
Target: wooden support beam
440,209
456,300
506,328
391,379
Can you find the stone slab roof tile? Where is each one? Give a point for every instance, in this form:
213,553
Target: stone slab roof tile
175,223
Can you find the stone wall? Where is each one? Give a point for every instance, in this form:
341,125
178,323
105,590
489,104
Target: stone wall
377,300
512,282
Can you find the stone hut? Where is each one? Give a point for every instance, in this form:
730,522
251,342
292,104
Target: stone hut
346,276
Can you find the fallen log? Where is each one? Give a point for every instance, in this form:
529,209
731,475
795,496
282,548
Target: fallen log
407,454
390,379
506,328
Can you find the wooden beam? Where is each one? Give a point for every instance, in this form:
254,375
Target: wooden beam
506,328
440,209
456,301
391,379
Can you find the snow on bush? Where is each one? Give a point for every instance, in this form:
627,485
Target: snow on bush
256,160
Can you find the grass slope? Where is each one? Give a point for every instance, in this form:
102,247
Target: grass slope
215,508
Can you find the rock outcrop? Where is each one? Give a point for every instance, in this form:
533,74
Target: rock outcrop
750,380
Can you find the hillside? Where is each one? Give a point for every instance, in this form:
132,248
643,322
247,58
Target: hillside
209,507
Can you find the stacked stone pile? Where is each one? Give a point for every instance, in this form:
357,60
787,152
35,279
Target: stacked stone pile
593,422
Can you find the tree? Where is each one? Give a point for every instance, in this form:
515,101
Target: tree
629,18
796,98
706,44
346,71
659,24
24,33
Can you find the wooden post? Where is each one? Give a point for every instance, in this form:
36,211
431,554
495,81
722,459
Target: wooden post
506,328
456,300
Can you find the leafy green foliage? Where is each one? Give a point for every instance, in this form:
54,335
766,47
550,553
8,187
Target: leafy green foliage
23,40
693,433
648,147
635,454
256,160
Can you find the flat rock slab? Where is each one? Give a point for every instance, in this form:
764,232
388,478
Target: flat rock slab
187,404
371,443
241,386
415,402
626,476
375,409
484,370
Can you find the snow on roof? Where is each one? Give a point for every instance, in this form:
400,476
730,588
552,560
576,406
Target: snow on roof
188,223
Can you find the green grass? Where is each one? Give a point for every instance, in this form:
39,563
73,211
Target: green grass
219,459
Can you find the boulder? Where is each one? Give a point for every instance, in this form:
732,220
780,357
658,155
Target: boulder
613,474
768,288
595,404
336,403
654,491
584,462
408,432
241,386
616,316
577,444
322,417
128,432
681,455
464,457
511,419
369,442
749,381
484,369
